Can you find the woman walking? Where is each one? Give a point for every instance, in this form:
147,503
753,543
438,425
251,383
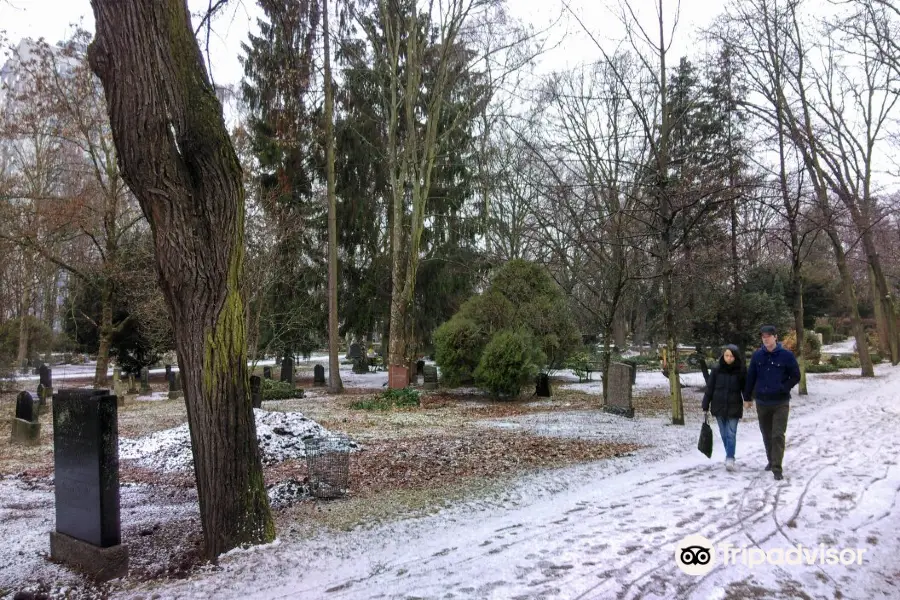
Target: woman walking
724,398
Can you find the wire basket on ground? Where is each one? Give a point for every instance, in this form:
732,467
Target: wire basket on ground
328,463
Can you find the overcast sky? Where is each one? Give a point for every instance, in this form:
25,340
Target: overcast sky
53,19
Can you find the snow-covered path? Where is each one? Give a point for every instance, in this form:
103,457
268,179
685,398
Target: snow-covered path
613,532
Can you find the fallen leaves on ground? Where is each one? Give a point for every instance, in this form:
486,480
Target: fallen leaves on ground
434,461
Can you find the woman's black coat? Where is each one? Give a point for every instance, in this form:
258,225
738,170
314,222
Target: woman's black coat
725,389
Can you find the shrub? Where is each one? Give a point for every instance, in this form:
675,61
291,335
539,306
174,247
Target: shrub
821,368
394,398
458,344
509,361
812,349
649,361
827,332
521,296
580,362
836,338
844,361
279,390
40,337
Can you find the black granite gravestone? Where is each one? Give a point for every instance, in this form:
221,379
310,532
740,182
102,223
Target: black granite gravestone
86,481
267,372
287,369
420,367
86,463
26,429
542,389
355,351
169,373
256,391
318,375
46,375
25,408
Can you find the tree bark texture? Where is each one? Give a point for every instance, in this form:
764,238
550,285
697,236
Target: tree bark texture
859,333
22,353
175,154
335,385
106,332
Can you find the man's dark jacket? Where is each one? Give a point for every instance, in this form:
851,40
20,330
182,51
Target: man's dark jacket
771,375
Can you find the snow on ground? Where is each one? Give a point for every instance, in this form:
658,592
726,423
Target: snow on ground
644,381
610,529
281,437
848,346
371,379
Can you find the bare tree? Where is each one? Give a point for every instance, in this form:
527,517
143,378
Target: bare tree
414,40
776,56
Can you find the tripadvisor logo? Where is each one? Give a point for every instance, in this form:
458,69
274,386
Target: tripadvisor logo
695,555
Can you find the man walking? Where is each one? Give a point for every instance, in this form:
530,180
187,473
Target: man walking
773,371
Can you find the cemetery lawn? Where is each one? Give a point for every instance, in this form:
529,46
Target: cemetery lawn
413,459
536,499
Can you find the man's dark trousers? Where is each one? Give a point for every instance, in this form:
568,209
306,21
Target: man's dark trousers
773,423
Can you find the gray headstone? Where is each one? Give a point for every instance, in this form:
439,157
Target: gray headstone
429,377
132,386
25,408
43,394
175,386
287,370
117,374
355,351
145,380
319,375
256,391
619,390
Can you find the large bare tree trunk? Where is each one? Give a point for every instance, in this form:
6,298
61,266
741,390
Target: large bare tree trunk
797,302
106,332
175,154
28,268
859,333
889,337
335,385
665,212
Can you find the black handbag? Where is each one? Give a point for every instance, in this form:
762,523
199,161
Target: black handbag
705,445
